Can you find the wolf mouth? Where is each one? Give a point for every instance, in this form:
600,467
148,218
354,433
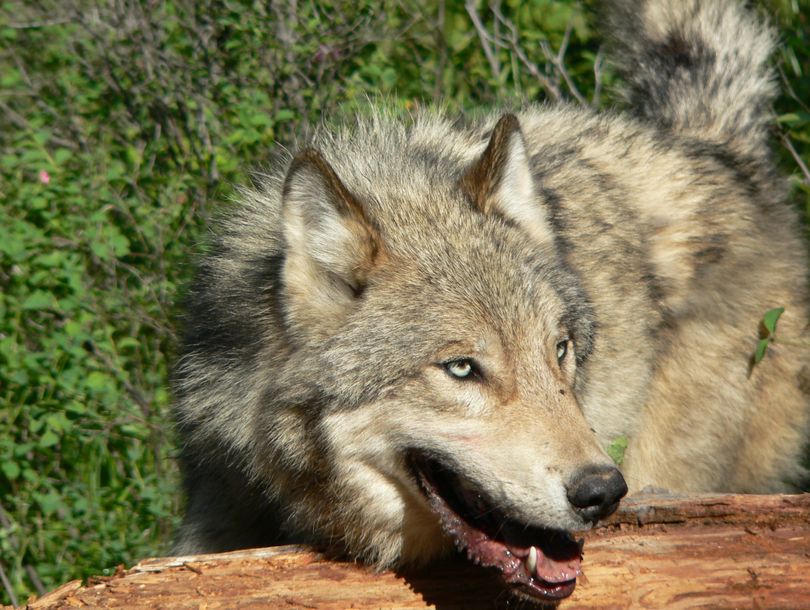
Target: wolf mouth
542,563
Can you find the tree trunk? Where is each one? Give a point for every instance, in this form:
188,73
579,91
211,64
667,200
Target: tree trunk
726,551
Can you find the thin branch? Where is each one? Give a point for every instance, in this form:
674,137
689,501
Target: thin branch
598,65
797,157
485,38
557,60
788,88
514,44
7,586
564,44
441,44
13,117
38,584
5,522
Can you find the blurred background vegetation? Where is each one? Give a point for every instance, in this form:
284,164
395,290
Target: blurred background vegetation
123,123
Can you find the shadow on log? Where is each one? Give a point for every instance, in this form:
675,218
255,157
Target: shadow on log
726,551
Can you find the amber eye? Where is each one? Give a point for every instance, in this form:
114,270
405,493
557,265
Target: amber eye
463,368
562,350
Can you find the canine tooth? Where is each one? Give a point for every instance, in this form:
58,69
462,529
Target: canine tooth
531,561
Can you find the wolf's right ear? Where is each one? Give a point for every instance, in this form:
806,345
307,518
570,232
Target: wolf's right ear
500,181
331,246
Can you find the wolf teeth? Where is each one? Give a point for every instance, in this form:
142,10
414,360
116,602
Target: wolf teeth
531,561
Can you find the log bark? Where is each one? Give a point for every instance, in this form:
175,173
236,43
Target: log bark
726,551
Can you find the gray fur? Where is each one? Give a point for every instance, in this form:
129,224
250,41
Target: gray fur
655,240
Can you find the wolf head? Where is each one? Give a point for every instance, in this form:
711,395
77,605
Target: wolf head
446,340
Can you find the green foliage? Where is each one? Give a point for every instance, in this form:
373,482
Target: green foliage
793,19
767,332
120,124
617,448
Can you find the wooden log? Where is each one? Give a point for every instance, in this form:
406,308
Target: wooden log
723,551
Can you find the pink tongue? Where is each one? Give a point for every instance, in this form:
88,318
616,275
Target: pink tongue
551,570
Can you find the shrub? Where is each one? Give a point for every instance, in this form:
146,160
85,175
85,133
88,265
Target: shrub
120,124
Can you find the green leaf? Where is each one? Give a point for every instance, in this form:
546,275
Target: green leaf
762,346
260,119
76,408
62,156
127,343
49,502
767,332
48,439
794,118
51,259
115,170
58,422
20,449
42,136
97,380
134,430
11,470
771,317
39,299
285,114
389,78
120,244
101,250
81,505
617,448
19,377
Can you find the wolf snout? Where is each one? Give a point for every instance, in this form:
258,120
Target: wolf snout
595,491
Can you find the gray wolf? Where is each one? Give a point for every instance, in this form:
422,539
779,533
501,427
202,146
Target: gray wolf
419,333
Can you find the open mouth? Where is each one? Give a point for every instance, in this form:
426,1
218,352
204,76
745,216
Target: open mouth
541,563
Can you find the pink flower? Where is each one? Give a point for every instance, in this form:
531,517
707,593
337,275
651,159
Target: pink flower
44,177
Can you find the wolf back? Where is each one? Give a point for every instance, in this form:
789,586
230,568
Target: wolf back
415,318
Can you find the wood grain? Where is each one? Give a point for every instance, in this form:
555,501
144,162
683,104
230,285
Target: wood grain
657,552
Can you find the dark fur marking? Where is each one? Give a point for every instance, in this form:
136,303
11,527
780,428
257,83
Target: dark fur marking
550,159
710,255
220,323
655,290
579,317
743,170
804,382
552,201
678,51
225,490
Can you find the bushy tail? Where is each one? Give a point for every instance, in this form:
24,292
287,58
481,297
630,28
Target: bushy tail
699,67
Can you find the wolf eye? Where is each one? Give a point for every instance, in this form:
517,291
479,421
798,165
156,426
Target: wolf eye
463,368
562,350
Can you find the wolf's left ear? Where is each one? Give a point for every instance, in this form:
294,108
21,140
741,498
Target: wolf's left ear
500,181
331,245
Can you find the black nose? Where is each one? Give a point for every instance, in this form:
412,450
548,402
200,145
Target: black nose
595,491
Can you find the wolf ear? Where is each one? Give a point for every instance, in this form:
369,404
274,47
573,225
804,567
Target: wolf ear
500,181
330,245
